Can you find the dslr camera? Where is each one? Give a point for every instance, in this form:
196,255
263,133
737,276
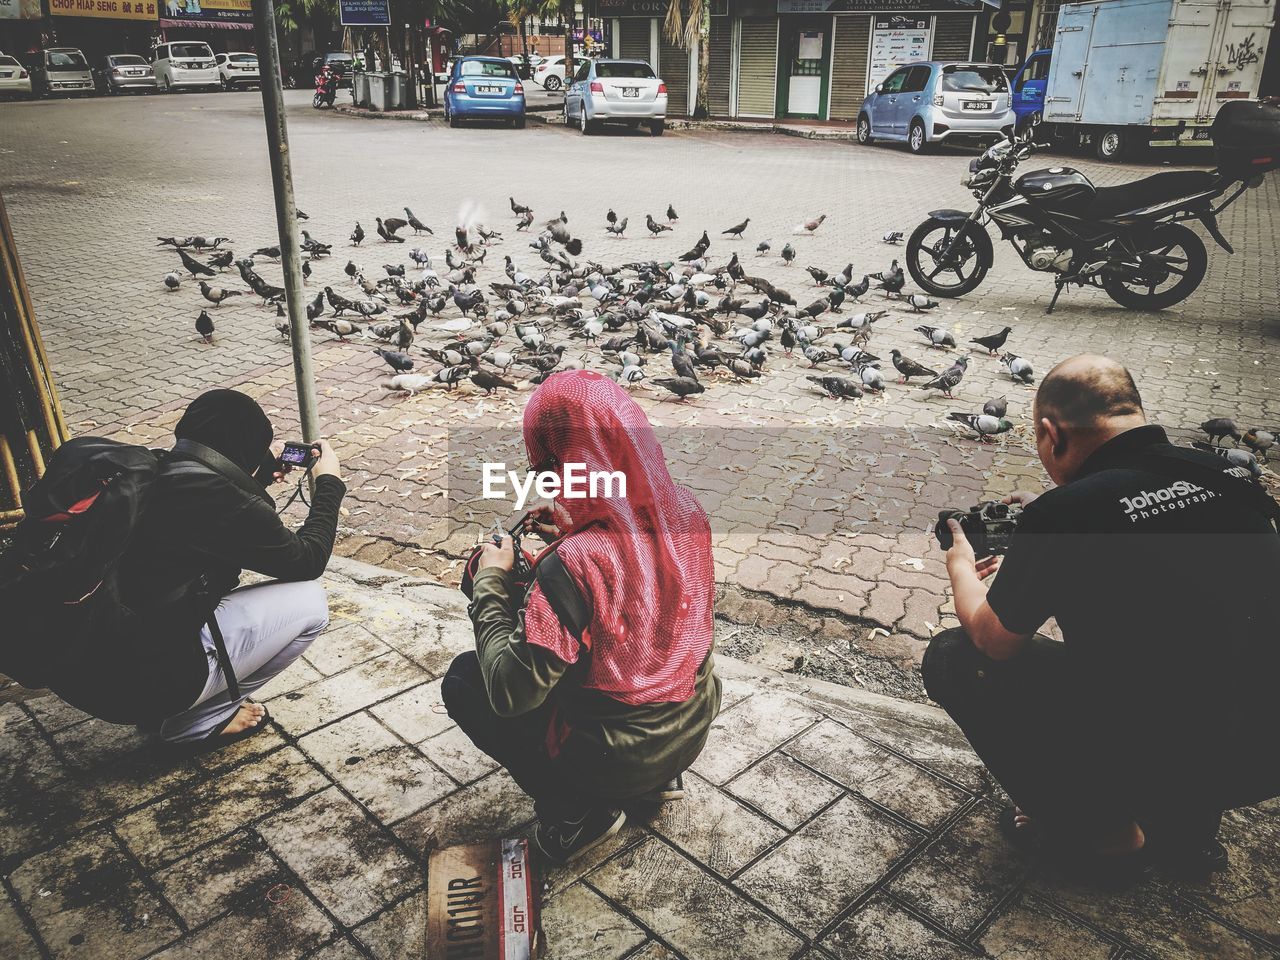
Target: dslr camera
989,526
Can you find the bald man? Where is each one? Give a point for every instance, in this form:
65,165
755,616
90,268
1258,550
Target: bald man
1124,743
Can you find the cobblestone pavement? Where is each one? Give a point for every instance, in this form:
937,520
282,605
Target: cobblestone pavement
820,509
821,823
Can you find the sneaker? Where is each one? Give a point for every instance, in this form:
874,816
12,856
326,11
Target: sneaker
673,789
565,840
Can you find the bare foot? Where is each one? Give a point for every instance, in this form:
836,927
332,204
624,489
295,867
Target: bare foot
249,715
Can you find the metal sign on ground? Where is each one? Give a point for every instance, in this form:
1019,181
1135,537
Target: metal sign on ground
365,13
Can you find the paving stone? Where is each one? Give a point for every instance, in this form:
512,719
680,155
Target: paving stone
493,807
828,863
577,923
400,932
749,730
210,881
15,940
1249,893
336,650
53,714
125,767
883,930
168,829
391,779
784,790
363,685
225,758
345,860
715,829
455,754
339,950
688,908
557,878
87,900
416,714
875,773
299,675
653,951
1029,930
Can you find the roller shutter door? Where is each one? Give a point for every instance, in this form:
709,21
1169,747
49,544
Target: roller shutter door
849,66
633,38
719,69
953,36
673,68
758,67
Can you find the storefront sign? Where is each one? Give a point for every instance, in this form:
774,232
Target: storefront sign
895,40
105,9
607,9
20,10
880,6
365,13
209,11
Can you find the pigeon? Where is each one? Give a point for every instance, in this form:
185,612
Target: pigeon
736,231
919,304
519,208
841,388
819,275
893,236
1259,441
399,362
982,424
394,224
618,228
682,387
394,269
909,368
216,295
338,327
858,290
630,374
872,378
172,281
997,407
408,383
1234,456
306,270
271,253
681,362
893,280
1220,428
937,336
283,327
654,226
387,235
762,248
950,378
339,303
299,214
992,342
788,254
611,217
204,326
525,221
316,307
222,260
357,234
487,381
1019,369
742,369
418,225
671,214
194,266
811,225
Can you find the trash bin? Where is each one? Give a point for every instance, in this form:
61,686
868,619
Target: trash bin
360,88
396,99
379,91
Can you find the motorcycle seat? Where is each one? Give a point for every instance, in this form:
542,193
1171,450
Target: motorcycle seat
1111,202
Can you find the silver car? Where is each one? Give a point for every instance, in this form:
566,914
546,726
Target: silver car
616,91
125,72
927,102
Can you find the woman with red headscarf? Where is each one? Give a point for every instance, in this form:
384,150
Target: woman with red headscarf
596,685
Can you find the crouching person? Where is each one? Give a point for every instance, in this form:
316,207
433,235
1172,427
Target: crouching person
1124,743
595,685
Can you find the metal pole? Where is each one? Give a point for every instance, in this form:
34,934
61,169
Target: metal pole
264,29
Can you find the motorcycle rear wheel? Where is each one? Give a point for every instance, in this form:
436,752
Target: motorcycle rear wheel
1185,261
925,247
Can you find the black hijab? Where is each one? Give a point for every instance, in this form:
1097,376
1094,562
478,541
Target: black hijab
234,425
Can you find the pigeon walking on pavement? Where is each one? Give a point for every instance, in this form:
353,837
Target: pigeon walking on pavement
1019,368
909,368
949,379
937,336
982,424
204,327
1219,428
993,342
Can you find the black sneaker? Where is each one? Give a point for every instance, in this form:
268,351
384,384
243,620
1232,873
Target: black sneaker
565,840
673,789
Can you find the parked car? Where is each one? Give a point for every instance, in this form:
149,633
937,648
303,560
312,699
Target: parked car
15,79
185,64
484,87
927,103
550,73
339,62
616,91
238,70
60,70
124,73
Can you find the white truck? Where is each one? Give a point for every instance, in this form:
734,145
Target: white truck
1129,72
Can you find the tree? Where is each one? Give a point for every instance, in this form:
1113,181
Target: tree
688,22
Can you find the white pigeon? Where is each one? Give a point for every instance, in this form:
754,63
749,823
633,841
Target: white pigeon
408,383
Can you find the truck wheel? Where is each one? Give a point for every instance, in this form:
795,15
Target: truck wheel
1110,144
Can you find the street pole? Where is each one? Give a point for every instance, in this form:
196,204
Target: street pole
264,29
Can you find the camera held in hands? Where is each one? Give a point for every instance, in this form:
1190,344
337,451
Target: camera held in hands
989,526
522,569
300,456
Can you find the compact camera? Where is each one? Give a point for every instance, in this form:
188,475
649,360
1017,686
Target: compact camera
300,456
522,570
989,526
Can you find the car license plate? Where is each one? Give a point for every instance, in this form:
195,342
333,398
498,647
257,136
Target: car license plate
631,91
488,89
977,104
6,75
1200,133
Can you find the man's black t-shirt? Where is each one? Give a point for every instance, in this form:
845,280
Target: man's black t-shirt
1161,587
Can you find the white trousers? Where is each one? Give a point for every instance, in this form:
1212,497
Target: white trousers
265,627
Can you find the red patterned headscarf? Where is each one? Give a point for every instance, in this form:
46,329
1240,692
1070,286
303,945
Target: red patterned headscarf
643,561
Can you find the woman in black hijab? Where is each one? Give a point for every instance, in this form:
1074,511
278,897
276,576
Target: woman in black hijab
206,518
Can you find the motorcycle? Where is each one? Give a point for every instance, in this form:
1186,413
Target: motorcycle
1130,240
326,89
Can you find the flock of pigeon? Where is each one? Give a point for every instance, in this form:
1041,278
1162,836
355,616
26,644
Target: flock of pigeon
707,317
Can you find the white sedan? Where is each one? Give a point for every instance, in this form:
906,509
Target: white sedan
15,81
616,91
238,70
550,73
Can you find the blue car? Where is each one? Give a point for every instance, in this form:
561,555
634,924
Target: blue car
484,87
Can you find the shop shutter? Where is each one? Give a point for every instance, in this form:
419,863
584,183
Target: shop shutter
719,69
849,66
633,38
673,68
758,67
953,36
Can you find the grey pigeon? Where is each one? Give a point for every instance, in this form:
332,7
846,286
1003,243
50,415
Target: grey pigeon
172,281
950,378
841,388
1234,456
997,407
1019,368
893,236
762,248
1259,441
909,368
1220,428
919,303
788,254
399,362
937,336
682,387
984,425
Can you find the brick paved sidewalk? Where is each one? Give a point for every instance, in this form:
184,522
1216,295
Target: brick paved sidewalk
820,823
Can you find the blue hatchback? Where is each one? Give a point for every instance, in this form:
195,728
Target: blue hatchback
484,87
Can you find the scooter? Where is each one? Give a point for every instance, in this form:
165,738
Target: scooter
326,89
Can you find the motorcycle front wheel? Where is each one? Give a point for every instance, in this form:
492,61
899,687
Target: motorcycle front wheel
1174,261
944,264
